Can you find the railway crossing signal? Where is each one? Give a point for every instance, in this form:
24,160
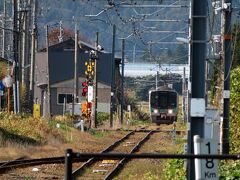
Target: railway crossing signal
90,69
85,88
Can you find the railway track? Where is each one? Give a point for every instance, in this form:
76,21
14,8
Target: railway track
4,166
107,169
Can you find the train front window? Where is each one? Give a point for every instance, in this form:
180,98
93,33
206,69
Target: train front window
172,100
159,99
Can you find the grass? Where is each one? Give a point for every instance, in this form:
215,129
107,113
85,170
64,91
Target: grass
98,134
144,169
25,129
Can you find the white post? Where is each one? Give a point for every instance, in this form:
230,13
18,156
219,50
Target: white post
18,97
174,133
64,106
196,141
82,125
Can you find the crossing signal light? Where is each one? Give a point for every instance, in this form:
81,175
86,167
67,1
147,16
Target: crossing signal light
84,84
85,88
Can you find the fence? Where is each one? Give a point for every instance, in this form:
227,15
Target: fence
70,156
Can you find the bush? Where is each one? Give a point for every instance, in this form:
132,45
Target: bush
231,169
102,116
174,168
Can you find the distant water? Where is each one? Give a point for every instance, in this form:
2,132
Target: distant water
143,69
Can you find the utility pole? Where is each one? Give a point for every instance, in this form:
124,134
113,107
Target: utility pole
75,70
184,95
4,26
134,53
156,80
16,57
48,73
198,57
150,51
122,85
33,51
95,93
60,37
227,67
25,44
113,77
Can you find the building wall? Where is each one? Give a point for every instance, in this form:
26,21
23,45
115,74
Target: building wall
66,87
61,70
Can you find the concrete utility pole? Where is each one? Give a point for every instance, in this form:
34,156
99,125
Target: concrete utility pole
134,53
25,44
156,80
122,85
60,37
227,67
95,93
184,95
33,51
48,74
4,26
16,57
113,77
198,57
76,84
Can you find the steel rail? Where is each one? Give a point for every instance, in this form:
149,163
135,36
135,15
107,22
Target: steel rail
23,163
83,156
123,161
90,161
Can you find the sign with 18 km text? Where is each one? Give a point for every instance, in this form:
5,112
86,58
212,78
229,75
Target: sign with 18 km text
209,167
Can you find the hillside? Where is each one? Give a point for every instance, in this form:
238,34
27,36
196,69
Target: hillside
127,20
140,25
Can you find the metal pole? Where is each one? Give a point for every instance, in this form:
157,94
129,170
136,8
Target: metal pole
113,77
33,50
95,94
48,73
68,164
227,59
198,57
75,70
122,85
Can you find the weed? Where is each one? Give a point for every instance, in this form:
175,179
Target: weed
98,134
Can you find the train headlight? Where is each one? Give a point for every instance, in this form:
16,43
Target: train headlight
155,110
170,111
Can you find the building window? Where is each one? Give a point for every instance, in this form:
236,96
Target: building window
68,98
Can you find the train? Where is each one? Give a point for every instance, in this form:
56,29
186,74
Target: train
163,105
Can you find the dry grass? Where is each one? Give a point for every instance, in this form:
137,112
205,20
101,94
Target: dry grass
36,138
26,130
